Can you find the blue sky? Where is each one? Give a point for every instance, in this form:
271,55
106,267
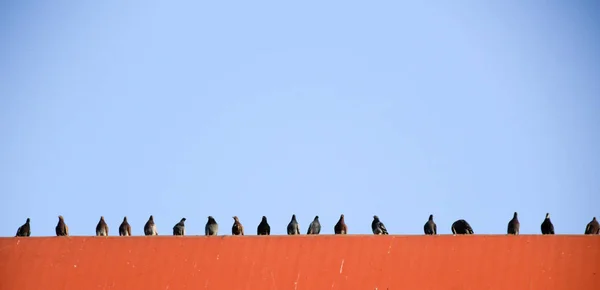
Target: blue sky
468,109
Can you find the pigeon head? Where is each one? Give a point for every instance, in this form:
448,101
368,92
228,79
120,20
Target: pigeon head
430,217
547,215
594,219
264,218
183,219
151,218
375,217
60,217
316,217
101,218
515,215
235,218
293,217
210,218
29,220
124,219
342,217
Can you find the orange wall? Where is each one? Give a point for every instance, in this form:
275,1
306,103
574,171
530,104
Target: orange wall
301,262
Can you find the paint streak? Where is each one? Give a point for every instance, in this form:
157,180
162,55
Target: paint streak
252,262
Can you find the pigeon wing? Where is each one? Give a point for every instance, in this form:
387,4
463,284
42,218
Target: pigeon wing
383,229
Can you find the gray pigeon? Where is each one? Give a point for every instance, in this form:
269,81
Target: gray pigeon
315,227
430,228
462,227
547,226
24,230
378,227
101,227
61,228
293,228
263,229
340,227
592,228
211,228
150,227
179,228
124,228
513,225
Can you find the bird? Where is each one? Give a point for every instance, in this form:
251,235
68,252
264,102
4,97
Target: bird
462,227
179,228
150,227
61,228
378,227
237,229
315,227
340,227
513,225
547,226
24,230
263,228
102,227
293,228
124,228
211,228
430,228
592,228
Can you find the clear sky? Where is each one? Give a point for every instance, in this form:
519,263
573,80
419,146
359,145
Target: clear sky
461,109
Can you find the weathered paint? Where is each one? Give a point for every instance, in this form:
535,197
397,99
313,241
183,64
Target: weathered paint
301,262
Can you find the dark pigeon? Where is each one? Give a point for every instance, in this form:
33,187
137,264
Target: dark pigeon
24,230
315,227
150,227
125,228
211,228
513,225
179,228
378,227
547,226
592,228
430,228
340,227
61,228
237,229
462,227
293,228
263,228
102,228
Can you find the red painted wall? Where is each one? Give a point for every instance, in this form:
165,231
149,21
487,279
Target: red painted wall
301,262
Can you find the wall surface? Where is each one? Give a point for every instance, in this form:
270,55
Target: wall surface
301,262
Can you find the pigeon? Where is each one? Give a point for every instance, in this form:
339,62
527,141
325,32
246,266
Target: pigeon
340,228
150,227
592,228
513,225
378,227
24,230
211,228
430,228
462,227
547,226
263,228
315,227
237,229
125,228
179,228
61,228
293,228
102,227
